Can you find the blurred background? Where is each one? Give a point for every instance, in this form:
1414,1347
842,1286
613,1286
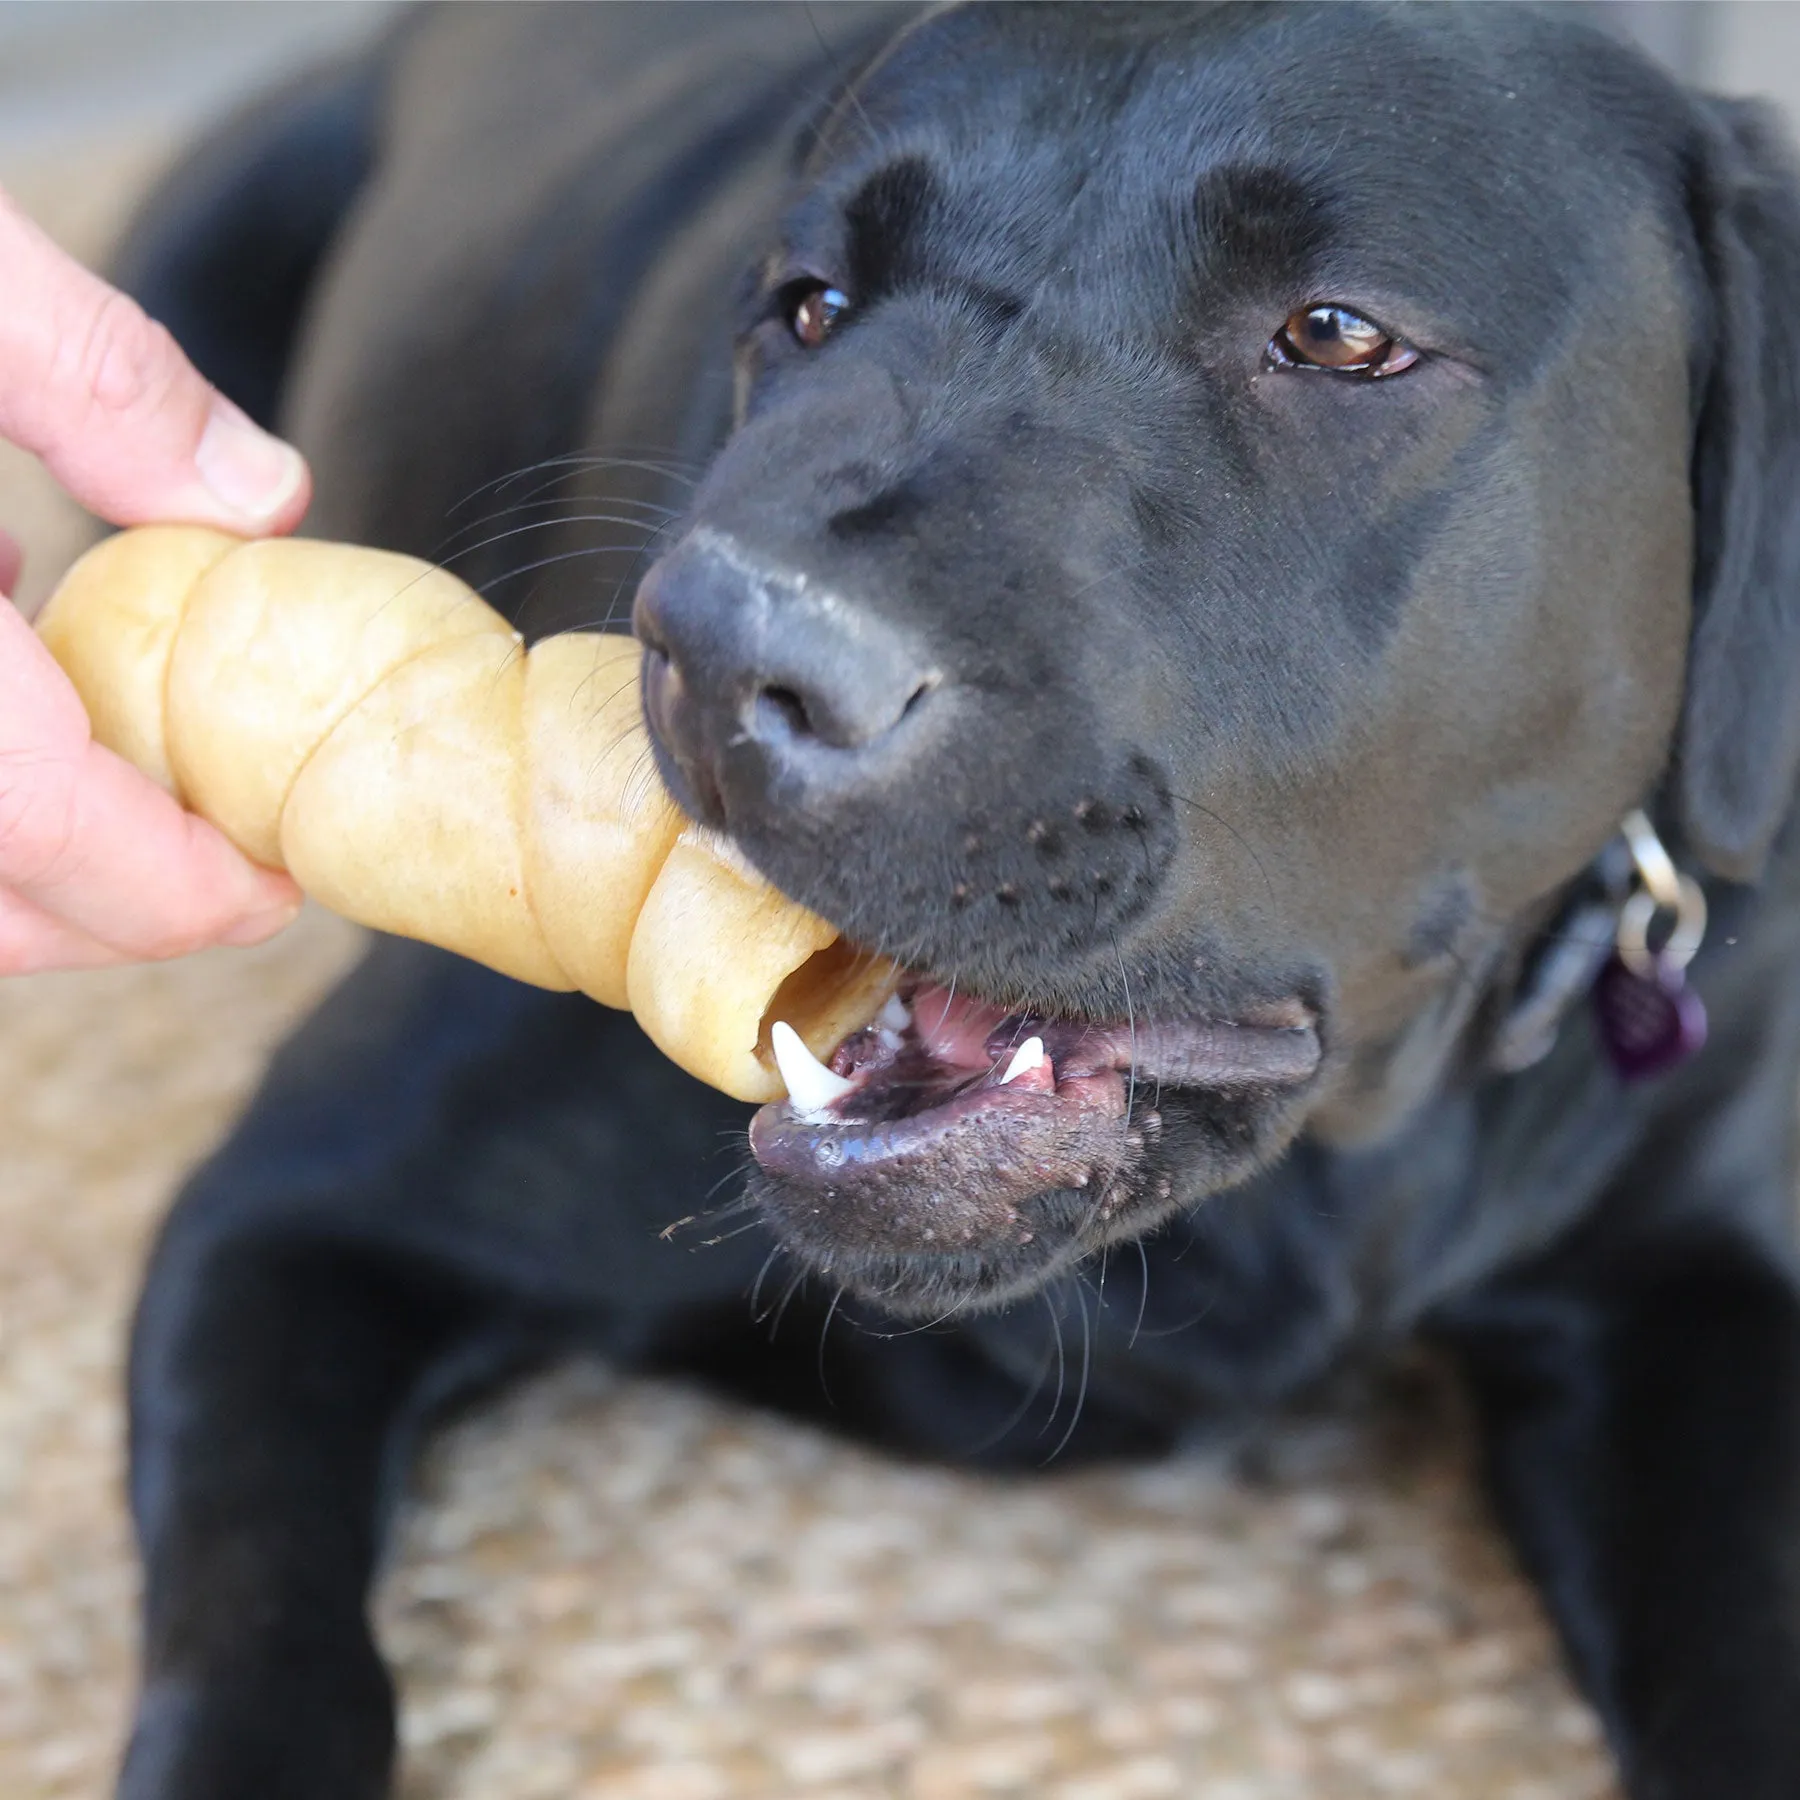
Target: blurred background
619,1591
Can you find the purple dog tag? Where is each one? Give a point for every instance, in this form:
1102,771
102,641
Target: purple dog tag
1648,1024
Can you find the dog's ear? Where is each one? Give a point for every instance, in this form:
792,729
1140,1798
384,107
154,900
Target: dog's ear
1739,746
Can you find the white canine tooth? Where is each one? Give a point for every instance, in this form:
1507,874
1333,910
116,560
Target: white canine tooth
888,1039
1028,1056
811,1086
895,1015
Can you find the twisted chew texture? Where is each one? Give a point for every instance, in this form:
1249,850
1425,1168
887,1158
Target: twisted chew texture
366,722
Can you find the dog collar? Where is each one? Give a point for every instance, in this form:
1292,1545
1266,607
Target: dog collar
1607,944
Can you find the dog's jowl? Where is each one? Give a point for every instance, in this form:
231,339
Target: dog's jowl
1206,524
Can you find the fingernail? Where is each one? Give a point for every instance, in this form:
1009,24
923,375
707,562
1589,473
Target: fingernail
253,474
262,926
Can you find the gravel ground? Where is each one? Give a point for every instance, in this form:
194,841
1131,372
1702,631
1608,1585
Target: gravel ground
617,1589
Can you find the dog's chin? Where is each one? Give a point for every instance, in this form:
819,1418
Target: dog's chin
965,1156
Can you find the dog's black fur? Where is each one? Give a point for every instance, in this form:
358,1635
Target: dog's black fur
1202,688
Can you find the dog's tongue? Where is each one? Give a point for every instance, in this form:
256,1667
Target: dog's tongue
954,1028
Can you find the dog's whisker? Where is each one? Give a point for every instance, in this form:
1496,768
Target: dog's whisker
1016,1417
847,92
787,1300
573,510
1137,1244
725,1237
1062,1365
762,1275
736,1174
543,562
1131,1031
621,688
671,468
642,777
1226,825
587,518
1078,1287
824,1332
1187,1323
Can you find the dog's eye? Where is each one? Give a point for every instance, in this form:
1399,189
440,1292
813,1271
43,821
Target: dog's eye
1333,337
814,310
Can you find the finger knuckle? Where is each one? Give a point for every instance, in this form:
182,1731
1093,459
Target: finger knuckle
123,359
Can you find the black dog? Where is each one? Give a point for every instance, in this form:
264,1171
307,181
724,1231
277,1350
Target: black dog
1228,510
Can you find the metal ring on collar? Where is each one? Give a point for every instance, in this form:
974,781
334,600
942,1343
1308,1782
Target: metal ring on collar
1633,940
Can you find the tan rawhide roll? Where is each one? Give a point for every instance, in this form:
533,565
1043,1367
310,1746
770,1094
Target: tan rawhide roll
368,723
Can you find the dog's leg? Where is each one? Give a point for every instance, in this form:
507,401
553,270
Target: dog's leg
445,1175
266,1408
1642,1425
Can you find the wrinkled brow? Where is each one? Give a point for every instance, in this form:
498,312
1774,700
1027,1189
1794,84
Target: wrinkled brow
1258,223
884,221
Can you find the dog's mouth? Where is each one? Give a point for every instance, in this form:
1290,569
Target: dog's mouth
953,1129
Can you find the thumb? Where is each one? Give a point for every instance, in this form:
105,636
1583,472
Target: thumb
123,420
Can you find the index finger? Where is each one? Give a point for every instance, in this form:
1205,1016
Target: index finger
124,421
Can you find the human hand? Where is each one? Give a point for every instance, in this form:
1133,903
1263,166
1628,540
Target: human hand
97,863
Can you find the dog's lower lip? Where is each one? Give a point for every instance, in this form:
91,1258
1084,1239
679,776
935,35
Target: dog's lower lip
794,1144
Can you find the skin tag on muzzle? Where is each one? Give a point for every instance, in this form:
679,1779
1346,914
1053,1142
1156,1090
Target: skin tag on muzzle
1648,1023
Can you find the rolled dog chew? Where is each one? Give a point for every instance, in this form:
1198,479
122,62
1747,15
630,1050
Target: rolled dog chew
367,722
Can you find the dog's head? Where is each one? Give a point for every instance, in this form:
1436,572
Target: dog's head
1230,507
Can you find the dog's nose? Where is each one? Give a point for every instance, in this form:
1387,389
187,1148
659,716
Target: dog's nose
760,673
